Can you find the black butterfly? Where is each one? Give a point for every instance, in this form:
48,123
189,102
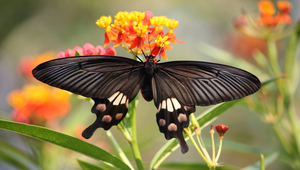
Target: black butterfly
176,87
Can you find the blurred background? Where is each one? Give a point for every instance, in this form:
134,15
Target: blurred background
32,27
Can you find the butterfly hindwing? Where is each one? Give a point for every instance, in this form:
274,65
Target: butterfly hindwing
112,82
179,86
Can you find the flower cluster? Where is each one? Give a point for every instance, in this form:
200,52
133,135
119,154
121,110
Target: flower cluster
27,64
267,12
269,23
88,49
38,103
136,28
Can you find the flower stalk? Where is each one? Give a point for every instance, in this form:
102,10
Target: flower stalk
221,129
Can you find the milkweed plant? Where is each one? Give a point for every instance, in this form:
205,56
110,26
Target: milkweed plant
55,116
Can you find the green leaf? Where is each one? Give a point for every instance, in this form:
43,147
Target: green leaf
77,53
89,166
63,140
268,160
291,65
15,157
193,166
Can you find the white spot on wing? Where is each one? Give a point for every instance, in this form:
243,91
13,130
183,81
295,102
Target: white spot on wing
118,99
112,97
163,104
170,106
127,101
159,107
176,103
123,99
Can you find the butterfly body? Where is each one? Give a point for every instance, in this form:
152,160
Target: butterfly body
176,87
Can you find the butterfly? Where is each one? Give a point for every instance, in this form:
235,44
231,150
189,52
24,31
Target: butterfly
176,87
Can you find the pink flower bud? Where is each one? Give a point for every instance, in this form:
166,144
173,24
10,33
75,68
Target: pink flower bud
88,49
148,16
61,54
99,50
79,49
69,52
111,51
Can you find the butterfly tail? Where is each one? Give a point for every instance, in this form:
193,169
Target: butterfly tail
171,118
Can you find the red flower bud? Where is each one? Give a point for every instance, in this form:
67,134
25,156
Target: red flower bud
221,129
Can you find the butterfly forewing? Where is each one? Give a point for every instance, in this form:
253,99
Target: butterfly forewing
202,83
90,76
112,82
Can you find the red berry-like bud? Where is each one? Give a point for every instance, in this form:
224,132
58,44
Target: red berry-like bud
221,129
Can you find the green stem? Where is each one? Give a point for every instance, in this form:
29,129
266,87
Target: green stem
219,150
295,128
118,148
262,162
133,142
189,134
213,148
272,53
285,143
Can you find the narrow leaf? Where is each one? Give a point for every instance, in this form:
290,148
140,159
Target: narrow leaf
63,140
89,166
193,166
268,160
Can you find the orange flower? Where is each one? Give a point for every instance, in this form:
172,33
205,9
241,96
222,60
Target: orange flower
27,64
266,7
266,25
267,11
110,34
138,30
160,46
38,103
171,24
283,16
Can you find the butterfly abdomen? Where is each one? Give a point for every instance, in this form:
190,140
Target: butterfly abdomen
146,88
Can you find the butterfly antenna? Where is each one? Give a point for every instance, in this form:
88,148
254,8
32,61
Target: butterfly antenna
149,41
141,46
131,50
